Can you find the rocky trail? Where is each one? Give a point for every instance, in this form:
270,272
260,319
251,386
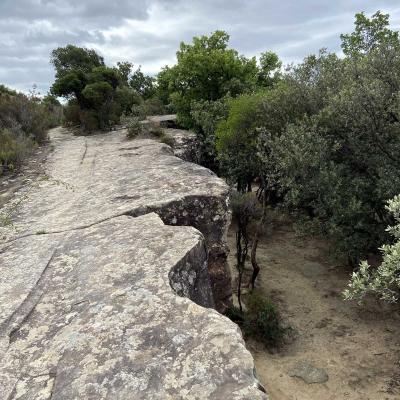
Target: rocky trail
109,274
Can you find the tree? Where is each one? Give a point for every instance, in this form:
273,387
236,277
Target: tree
143,84
206,69
236,142
245,209
369,34
269,72
125,71
73,59
98,95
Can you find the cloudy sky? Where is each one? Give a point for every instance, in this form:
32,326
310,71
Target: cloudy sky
148,32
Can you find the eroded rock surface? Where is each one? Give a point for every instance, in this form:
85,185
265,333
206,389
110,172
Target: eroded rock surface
185,144
93,278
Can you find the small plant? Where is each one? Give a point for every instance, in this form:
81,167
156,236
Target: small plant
133,125
13,149
261,320
156,131
264,321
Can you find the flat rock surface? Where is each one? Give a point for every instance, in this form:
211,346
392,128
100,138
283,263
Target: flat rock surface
99,177
99,298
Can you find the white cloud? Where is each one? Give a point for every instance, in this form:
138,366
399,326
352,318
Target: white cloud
148,32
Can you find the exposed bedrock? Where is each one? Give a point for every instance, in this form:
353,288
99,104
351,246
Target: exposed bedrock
185,144
101,297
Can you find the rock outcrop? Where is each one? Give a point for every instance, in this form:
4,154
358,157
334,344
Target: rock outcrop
101,296
185,144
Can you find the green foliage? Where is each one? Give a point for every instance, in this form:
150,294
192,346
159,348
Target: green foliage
168,140
369,34
264,320
143,84
261,320
270,66
74,59
133,125
330,135
126,99
13,149
125,71
384,281
236,141
98,95
24,121
206,70
206,115
148,107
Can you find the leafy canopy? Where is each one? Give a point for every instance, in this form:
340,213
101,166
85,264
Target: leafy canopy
206,69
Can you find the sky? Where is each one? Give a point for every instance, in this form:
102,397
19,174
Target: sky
148,32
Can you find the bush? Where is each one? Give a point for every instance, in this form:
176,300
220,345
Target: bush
384,281
261,320
24,121
133,125
264,321
88,120
13,149
206,116
148,107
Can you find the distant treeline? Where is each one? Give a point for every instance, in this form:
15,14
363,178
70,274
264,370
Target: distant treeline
98,95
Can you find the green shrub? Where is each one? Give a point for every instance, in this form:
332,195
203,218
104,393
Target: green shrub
24,121
13,149
235,315
88,120
384,281
153,106
206,116
72,114
156,131
133,125
261,320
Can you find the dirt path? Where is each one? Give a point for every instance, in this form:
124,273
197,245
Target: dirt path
359,348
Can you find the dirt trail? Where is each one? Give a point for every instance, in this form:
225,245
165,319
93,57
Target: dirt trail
359,348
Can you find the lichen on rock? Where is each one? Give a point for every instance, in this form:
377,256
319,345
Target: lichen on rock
113,298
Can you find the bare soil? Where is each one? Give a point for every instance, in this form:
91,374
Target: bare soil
359,347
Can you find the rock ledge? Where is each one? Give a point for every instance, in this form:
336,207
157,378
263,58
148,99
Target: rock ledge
101,297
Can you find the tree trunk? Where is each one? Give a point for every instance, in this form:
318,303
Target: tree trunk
260,226
256,268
